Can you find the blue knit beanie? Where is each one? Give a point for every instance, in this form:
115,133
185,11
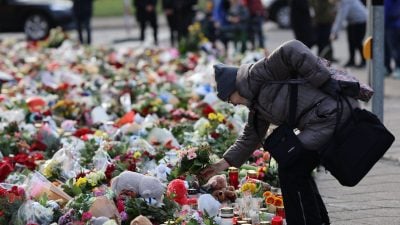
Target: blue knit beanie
225,76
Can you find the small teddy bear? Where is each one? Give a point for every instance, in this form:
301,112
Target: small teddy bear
219,188
178,189
225,194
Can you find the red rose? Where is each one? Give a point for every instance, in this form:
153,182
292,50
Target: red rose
215,135
3,192
5,169
109,171
83,131
207,110
25,160
38,146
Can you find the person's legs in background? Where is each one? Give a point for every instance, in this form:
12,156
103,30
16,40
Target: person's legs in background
171,25
79,29
87,27
258,32
388,57
393,37
350,40
359,33
302,201
323,41
154,25
142,23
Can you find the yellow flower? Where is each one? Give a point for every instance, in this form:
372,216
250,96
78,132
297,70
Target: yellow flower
81,181
137,155
48,171
220,117
212,116
156,102
101,134
249,187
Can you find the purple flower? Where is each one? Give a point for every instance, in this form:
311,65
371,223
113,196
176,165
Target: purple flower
124,215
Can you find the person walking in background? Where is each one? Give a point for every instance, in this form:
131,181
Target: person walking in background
392,35
256,21
324,16
83,10
300,19
355,13
184,14
168,8
146,13
235,29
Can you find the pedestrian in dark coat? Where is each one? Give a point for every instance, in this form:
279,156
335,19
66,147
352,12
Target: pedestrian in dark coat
184,13
300,20
146,13
83,10
256,21
325,12
269,104
168,7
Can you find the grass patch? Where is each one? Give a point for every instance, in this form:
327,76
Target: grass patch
106,8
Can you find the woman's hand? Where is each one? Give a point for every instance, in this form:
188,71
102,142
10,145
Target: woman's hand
213,169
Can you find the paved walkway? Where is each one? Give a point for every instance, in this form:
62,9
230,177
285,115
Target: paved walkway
376,200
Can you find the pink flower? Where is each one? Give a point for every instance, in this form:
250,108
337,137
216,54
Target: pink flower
191,155
260,162
258,153
86,216
182,153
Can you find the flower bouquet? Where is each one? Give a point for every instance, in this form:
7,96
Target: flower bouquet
10,201
192,160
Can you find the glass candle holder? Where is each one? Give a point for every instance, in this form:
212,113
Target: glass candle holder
233,177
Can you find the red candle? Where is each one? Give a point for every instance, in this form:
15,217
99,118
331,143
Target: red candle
233,177
280,211
277,220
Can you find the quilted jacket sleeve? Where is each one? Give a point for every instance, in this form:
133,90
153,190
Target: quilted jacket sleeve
292,57
248,141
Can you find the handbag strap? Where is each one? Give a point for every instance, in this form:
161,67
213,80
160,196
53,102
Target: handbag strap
293,103
339,114
293,89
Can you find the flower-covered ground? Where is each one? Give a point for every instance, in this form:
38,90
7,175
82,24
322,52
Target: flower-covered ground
74,118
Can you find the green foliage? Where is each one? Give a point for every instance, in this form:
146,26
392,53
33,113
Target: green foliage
118,148
81,203
180,129
88,152
71,189
138,206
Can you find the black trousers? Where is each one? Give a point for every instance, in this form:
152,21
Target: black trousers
325,49
150,17
355,36
83,24
302,201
